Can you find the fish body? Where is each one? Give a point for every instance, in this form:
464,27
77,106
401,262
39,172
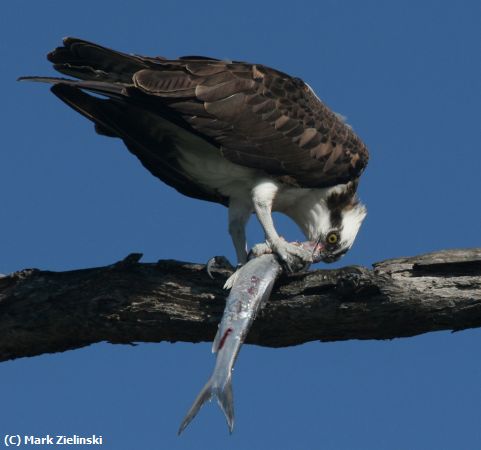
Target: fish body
251,288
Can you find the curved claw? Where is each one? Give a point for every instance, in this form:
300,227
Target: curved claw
294,257
216,263
208,267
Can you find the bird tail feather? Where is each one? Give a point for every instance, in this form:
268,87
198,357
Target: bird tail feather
89,61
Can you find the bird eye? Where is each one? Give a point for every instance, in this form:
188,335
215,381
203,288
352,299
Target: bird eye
332,238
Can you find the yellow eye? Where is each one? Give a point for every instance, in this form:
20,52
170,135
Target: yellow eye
332,238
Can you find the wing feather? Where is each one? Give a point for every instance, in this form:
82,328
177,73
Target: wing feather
257,116
254,112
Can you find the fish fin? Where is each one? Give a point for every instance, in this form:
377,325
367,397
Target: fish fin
225,399
205,395
230,281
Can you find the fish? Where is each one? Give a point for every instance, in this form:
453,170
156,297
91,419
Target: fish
251,288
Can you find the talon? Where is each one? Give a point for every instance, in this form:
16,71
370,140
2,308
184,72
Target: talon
259,249
293,257
216,263
209,265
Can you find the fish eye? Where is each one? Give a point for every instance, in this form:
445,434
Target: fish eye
332,238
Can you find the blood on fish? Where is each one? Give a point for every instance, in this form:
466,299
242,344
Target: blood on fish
222,341
252,290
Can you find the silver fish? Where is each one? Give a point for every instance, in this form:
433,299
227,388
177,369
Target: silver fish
251,288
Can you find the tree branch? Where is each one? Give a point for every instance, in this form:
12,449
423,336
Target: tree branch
44,312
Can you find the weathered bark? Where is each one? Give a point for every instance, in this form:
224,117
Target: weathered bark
42,312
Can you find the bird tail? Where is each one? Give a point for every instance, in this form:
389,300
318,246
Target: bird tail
89,61
221,389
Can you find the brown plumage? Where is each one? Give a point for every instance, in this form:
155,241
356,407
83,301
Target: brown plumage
219,131
257,116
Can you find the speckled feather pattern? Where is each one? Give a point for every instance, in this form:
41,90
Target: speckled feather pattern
255,116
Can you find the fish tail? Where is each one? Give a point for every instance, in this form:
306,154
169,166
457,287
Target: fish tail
222,391
225,399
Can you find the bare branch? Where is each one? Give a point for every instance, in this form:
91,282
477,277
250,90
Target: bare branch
44,312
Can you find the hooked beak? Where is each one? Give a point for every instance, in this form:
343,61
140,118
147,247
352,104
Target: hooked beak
320,253
317,251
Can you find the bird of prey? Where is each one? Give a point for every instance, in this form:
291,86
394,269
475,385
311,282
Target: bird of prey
244,135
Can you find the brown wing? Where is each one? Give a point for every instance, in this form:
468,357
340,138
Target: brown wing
257,116
260,118
141,133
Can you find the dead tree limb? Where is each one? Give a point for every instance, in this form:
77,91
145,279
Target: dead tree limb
44,312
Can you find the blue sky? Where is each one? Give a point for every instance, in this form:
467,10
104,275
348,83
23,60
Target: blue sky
406,75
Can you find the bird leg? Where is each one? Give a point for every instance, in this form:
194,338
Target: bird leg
312,247
301,260
239,214
291,255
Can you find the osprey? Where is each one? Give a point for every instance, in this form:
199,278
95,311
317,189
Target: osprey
244,135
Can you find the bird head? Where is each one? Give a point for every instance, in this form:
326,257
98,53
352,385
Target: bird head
343,216
335,242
